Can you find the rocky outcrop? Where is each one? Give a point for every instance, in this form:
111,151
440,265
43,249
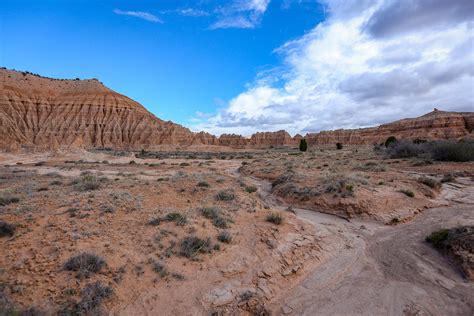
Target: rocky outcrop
45,113
436,125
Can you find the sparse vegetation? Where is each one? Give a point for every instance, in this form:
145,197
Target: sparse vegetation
225,237
85,264
6,229
437,150
215,215
91,300
408,193
438,238
250,188
87,182
7,198
178,218
431,182
275,218
225,195
203,184
192,245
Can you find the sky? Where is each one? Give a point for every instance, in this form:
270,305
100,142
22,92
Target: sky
241,66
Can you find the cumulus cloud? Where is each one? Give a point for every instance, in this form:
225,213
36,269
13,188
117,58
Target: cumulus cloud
141,15
241,14
359,69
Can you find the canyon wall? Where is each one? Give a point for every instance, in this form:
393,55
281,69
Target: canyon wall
43,113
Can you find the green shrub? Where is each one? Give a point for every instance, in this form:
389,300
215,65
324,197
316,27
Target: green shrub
339,145
215,215
224,237
225,195
275,218
303,145
87,182
250,188
452,151
6,229
176,217
6,199
408,193
203,184
390,140
192,245
92,296
438,238
432,183
85,264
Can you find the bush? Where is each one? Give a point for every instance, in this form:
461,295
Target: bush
339,145
405,149
224,237
192,245
438,238
203,184
215,215
303,144
8,199
159,268
432,183
6,229
225,195
92,297
408,193
451,151
250,188
87,182
85,264
390,140
275,218
176,217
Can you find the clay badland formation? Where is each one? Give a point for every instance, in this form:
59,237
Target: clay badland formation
43,113
170,222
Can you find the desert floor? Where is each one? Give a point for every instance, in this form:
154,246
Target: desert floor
327,232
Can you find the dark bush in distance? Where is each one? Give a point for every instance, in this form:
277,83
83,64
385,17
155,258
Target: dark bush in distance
339,145
303,144
192,245
405,149
85,264
390,140
450,151
6,229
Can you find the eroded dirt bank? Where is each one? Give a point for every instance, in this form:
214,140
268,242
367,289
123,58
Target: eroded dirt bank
385,270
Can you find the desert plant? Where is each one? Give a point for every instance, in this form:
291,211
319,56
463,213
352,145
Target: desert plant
275,218
452,151
178,218
303,145
437,238
432,183
408,193
192,245
390,140
160,268
85,264
225,237
7,198
87,182
339,145
6,229
250,188
92,296
225,195
405,149
203,184
215,215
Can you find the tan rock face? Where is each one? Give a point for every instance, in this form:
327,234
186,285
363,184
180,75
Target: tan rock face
43,113
46,113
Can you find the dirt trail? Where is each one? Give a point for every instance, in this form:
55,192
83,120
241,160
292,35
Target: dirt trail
373,269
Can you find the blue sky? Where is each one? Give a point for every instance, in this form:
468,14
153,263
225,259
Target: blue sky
241,66
176,63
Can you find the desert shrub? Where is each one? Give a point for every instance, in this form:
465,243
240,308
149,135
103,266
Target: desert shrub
437,238
191,246
431,182
448,178
225,237
85,264
215,215
160,268
275,218
250,188
178,276
303,145
154,221
395,221
92,296
6,229
339,145
7,198
390,140
284,178
203,184
225,195
408,193
178,218
405,149
452,151
56,182
184,164
341,185
419,141
87,182
371,166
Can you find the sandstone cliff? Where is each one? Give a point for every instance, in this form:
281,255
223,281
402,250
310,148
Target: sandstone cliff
44,113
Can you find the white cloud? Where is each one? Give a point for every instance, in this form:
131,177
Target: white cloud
193,12
241,14
141,15
342,74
